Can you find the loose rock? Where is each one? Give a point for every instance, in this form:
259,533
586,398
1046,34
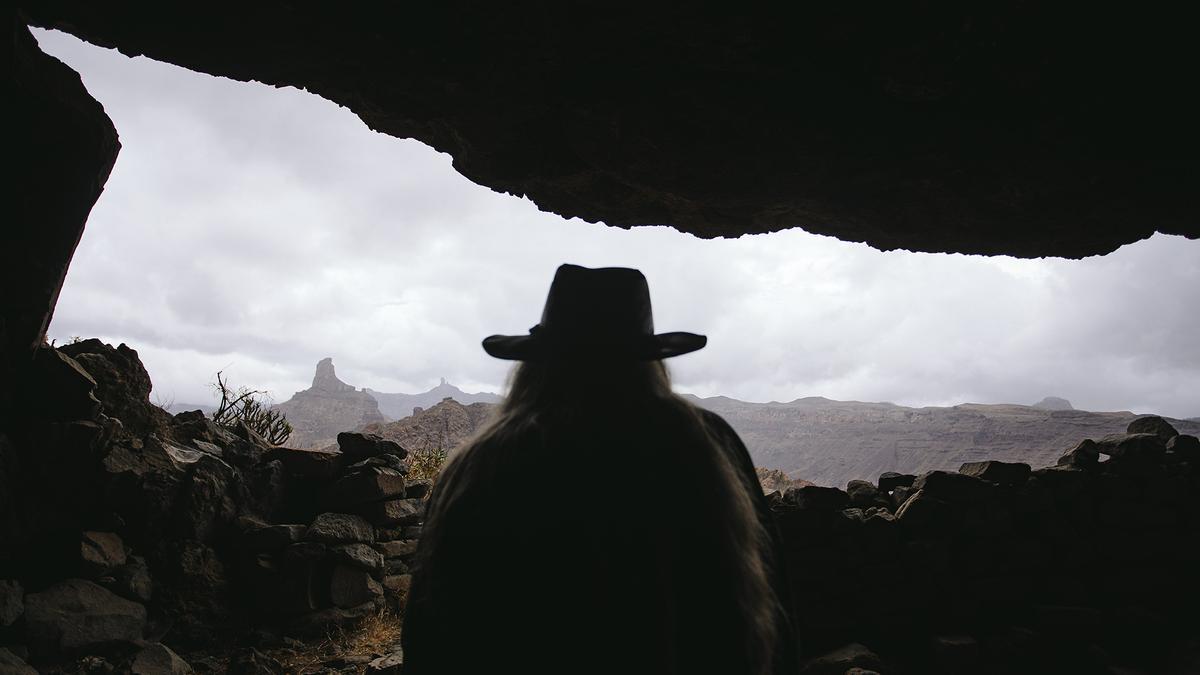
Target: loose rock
340,528
76,614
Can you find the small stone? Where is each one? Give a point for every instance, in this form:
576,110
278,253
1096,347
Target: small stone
386,665
158,659
1004,473
358,446
842,659
890,480
100,552
1152,424
394,512
956,653
340,528
77,614
398,549
12,604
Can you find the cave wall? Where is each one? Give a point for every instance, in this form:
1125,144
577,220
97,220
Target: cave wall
1008,128
62,147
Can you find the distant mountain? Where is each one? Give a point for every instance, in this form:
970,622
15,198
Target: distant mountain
328,407
1053,403
831,442
398,406
443,426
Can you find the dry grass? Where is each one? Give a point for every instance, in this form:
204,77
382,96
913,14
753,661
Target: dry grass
374,636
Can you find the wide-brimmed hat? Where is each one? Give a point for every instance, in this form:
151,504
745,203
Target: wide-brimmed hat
595,313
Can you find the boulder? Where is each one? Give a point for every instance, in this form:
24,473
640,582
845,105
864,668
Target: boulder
418,489
340,528
132,580
267,538
158,659
359,446
59,388
1152,424
1185,447
953,487
1085,455
842,659
100,552
122,383
864,494
817,497
76,614
209,502
361,556
394,512
384,461
11,664
368,485
12,602
1133,448
352,586
317,464
890,480
1004,473
925,513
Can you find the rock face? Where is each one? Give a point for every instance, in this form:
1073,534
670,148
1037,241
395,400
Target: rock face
945,127
832,442
62,157
440,428
327,408
1053,403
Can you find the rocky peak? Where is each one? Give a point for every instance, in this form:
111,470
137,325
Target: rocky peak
1054,403
326,380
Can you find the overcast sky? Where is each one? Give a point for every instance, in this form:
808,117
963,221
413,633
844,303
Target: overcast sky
257,230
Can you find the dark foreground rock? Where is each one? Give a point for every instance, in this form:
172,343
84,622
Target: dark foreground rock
75,615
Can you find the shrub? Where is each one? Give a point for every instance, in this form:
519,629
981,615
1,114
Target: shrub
426,464
251,407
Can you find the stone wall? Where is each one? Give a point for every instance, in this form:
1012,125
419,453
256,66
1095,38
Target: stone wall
1086,567
131,535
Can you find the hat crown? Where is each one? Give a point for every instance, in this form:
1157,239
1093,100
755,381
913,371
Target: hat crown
593,305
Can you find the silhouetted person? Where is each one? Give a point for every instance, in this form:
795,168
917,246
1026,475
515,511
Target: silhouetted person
600,523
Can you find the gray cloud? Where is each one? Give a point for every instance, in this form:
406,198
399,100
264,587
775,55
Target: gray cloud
257,230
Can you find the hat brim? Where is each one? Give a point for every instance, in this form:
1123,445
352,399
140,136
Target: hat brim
535,347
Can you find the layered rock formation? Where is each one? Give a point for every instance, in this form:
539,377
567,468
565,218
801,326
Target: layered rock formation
397,406
439,429
832,442
318,414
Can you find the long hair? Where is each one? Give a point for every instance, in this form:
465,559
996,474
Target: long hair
620,417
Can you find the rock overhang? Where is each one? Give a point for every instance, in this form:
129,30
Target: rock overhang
1012,129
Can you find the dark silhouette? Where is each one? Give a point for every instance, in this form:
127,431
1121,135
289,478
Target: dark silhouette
600,523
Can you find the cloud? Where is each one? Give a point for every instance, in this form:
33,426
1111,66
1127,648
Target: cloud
257,230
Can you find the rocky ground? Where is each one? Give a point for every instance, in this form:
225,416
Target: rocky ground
137,541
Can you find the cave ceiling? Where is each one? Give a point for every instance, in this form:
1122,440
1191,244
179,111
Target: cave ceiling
1012,128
